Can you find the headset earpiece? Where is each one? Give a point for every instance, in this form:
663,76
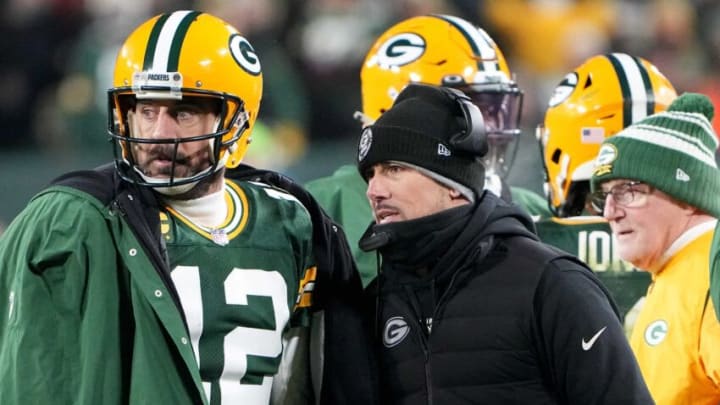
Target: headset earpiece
473,139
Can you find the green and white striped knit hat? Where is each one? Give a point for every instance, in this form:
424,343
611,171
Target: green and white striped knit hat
673,151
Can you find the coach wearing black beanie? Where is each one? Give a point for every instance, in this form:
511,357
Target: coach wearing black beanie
425,128
468,305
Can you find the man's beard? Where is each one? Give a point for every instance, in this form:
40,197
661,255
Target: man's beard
203,187
169,152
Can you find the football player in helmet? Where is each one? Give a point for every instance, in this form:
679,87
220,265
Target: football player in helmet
173,275
153,79
451,52
439,50
599,98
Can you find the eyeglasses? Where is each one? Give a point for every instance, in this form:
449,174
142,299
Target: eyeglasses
630,194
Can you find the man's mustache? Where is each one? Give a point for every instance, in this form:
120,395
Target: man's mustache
167,152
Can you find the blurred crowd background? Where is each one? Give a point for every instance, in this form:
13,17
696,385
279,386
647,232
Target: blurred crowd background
58,58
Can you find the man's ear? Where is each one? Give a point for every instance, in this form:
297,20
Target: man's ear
455,194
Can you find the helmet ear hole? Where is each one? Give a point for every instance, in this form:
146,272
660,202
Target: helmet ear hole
576,199
556,156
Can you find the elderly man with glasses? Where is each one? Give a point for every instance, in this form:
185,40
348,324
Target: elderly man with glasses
658,185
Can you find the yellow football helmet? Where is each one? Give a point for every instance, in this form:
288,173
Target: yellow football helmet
179,55
443,50
601,97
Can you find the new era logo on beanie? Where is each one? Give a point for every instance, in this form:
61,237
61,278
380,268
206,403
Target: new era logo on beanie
421,129
674,151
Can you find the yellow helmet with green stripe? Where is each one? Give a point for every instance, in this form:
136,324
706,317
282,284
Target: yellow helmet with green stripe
448,51
603,95
187,54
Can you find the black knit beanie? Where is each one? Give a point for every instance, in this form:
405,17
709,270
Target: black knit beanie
424,127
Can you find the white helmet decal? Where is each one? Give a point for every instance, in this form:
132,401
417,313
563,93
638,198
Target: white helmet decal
244,54
401,50
564,89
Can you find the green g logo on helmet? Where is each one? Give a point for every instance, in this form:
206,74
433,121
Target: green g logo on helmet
564,89
244,54
401,50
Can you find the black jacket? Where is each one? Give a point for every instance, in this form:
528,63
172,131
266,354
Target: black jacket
500,318
348,372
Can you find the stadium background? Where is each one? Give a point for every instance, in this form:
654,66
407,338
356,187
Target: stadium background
57,61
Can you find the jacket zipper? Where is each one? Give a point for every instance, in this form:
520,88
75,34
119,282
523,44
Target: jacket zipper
425,332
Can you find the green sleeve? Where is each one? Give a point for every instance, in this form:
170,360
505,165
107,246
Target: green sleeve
531,202
56,337
342,196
